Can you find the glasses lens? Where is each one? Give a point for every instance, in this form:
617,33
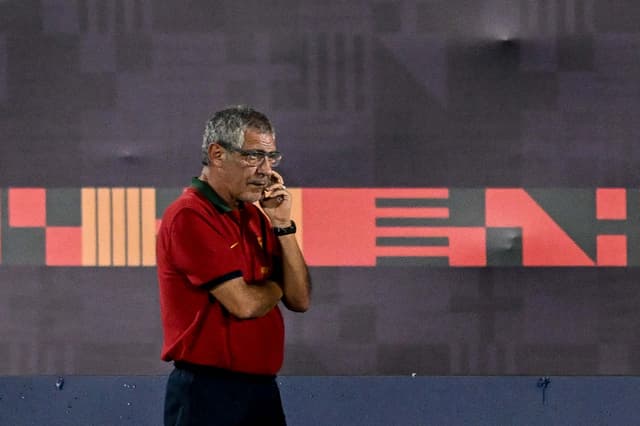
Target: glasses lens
274,158
254,158
257,157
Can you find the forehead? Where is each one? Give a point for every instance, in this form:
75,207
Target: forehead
258,140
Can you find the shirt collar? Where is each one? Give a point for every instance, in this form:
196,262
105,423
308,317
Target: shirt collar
211,195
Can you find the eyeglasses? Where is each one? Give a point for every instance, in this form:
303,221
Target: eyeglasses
255,157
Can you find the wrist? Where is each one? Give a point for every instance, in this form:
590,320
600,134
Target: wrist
285,230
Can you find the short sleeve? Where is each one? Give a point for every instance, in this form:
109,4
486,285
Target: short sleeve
201,251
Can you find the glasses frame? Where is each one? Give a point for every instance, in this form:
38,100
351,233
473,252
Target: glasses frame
255,157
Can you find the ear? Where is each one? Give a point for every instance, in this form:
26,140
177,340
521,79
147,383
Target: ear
215,153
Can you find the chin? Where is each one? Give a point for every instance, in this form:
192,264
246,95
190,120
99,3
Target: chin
251,197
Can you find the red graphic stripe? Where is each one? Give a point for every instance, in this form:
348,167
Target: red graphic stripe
544,242
467,245
417,212
415,231
340,227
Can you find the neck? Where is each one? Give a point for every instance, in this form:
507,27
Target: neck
206,177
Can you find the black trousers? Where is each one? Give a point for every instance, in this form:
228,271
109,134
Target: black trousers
199,396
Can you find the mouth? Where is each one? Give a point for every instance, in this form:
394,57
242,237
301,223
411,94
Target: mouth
259,184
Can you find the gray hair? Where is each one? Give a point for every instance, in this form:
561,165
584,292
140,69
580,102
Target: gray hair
228,126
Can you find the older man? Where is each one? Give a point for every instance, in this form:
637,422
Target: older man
224,264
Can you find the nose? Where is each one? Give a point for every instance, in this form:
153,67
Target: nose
264,166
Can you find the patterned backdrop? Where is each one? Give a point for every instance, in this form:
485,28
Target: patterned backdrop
464,175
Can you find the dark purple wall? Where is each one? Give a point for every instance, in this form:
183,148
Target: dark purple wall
526,93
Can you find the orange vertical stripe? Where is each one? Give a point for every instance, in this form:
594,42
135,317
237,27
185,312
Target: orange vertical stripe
119,227
133,226
296,213
88,226
148,226
104,227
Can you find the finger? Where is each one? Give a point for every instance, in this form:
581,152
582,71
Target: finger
282,192
269,203
270,190
272,202
276,178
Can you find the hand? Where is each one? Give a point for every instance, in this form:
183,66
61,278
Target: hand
276,202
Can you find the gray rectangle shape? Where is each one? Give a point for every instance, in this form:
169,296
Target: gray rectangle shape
411,202
340,69
411,261
358,72
3,71
83,16
322,53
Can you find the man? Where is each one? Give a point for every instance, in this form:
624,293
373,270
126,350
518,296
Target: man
223,267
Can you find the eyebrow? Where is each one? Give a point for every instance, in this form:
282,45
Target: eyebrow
261,151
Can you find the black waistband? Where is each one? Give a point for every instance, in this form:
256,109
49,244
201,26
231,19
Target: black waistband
208,370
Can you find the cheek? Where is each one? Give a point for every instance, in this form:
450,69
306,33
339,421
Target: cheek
249,172
243,178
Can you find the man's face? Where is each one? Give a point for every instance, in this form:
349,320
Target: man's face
245,182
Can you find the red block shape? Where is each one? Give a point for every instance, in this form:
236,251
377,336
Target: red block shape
339,227
611,204
64,246
27,207
612,250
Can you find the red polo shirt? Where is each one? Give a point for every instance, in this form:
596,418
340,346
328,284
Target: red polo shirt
202,243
